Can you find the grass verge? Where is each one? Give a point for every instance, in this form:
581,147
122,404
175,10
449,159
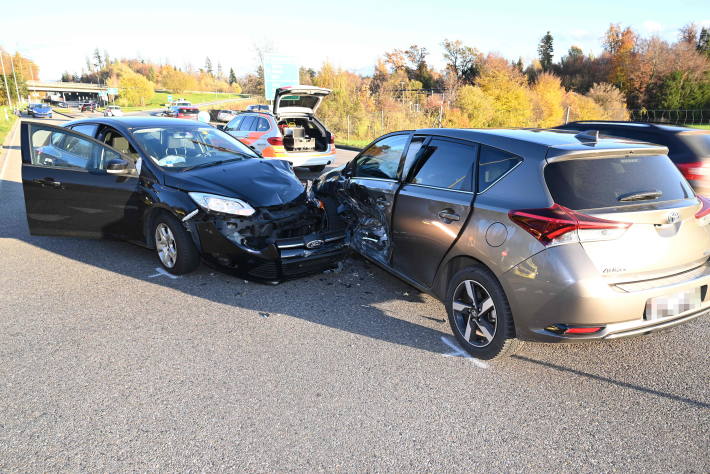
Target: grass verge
355,143
704,127
7,118
159,99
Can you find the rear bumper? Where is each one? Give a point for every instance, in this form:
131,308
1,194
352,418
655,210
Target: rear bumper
546,290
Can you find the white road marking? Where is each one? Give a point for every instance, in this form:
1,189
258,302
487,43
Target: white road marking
162,272
459,352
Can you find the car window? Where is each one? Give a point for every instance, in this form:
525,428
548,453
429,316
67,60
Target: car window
263,125
247,123
492,164
234,123
86,129
413,150
66,150
381,159
116,140
601,183
446,164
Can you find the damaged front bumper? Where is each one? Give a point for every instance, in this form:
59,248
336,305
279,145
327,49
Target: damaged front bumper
273,245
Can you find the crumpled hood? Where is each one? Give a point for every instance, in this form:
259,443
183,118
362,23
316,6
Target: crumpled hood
259,182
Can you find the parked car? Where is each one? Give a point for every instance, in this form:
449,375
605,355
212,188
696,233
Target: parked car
113,111
180,187
223,115
87,107
41,111
258,108
29,108
688,148
172,106
534,235
62,105
291,132
187,112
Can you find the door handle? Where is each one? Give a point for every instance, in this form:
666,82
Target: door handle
48,182
449,215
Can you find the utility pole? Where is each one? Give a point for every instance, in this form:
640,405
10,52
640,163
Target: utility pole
17,89
4,78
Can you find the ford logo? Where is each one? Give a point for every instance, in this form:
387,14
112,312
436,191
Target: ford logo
673,217
314,244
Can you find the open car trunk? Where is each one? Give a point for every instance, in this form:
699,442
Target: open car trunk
303,134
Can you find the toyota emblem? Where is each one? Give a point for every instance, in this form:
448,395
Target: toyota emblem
673,217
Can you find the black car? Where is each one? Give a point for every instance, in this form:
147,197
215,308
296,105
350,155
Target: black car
181,187
688,148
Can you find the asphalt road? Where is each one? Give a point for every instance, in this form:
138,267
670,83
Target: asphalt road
108,364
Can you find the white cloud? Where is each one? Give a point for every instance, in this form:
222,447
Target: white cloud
652,26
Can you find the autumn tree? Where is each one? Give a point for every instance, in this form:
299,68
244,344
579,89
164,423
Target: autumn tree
545,51
620,44
547,96
464,62
507,88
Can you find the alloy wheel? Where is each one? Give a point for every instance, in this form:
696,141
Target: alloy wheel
474,313
165,245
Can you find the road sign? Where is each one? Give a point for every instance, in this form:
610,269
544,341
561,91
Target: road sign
279,71
170,99
112,90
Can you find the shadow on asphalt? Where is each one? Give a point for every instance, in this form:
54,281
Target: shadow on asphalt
346,301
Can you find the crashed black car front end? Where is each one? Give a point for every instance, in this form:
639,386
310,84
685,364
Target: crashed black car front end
275,243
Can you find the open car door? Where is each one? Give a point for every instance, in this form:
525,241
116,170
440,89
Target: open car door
75,185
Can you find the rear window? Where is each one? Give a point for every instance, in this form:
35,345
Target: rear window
601,183
307,101
188,111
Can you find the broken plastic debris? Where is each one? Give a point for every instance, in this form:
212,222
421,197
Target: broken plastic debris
264,315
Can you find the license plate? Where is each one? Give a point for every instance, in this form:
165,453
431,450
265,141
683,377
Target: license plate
672,305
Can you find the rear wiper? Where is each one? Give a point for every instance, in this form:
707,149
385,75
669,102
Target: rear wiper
640,196
210,163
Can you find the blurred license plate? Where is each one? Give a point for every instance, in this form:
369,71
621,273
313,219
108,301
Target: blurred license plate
672,305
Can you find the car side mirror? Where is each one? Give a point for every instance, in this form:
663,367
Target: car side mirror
117,166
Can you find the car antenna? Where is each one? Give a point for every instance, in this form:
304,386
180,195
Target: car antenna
588,135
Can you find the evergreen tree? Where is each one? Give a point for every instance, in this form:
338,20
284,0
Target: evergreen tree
545,51
208,66
704,42
232,76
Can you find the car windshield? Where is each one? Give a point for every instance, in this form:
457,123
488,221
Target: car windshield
190,147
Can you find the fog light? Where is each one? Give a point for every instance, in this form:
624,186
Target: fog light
564,329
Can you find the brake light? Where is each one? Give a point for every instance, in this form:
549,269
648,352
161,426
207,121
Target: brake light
332,139
557,224
564,329
704,213
275,141
692,171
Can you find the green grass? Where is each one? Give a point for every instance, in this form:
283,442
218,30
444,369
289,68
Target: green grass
355,143
161,98
6,125
60,110
704,127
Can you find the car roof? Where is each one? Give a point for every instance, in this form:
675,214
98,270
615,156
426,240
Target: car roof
126,123
647,126
542,141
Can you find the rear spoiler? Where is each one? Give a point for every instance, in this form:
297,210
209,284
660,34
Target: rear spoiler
611,150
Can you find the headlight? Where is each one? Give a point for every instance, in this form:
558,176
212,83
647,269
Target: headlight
222,204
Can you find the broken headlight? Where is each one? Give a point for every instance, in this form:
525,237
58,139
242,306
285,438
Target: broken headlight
222,204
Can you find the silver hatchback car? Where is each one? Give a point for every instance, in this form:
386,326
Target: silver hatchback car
539,235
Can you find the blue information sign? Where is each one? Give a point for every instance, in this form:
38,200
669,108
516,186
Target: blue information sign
279,71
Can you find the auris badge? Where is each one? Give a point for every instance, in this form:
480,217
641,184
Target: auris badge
314,244
673,217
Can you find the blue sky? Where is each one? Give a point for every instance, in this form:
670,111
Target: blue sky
351,34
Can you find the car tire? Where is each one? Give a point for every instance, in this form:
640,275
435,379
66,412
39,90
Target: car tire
174,247
316,169
488,331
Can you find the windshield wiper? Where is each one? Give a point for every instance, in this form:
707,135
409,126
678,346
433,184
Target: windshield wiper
221,148
640,196
210,163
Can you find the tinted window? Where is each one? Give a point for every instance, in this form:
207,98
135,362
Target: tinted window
599,183
247,123
447,165
234,123
262,125
65,150
381,159
494,163
87,129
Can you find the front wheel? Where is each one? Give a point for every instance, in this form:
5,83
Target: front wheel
316,169
479,314
176,251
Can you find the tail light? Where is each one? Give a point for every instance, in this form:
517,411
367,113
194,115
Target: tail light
704,213
558,224
564,329
692,171
332,139
275,141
